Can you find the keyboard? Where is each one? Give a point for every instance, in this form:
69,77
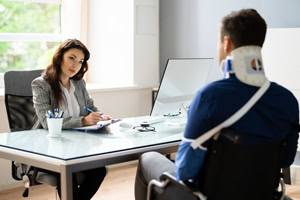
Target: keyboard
154,119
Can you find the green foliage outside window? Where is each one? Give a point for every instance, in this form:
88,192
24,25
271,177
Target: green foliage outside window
26,17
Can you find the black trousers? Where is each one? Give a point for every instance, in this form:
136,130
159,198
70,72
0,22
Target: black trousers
85,183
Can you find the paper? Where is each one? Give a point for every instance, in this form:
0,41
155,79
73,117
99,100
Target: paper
99,125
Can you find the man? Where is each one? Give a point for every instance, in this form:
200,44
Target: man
274,117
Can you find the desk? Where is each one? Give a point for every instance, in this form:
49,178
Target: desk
77,151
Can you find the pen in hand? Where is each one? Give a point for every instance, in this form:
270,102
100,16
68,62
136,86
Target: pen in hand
87,109
90,111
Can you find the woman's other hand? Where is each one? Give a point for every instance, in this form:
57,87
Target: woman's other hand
105,117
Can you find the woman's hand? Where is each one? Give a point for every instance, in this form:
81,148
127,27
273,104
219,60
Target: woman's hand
91,119
105,117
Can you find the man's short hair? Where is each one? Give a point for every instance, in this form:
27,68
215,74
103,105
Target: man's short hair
244,27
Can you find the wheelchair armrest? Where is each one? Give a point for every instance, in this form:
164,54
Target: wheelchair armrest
184,185
168,184
167,175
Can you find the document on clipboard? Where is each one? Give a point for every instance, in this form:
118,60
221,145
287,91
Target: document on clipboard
98,126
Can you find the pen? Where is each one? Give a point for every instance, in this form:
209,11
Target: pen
87,109
90,111
57,113
49,114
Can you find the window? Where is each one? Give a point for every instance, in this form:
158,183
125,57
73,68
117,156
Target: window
30,31
122,36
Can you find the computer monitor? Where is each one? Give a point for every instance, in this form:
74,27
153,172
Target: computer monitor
181,80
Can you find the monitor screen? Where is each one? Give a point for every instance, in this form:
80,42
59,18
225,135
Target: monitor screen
181,80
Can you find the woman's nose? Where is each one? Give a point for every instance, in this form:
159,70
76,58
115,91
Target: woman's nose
75,64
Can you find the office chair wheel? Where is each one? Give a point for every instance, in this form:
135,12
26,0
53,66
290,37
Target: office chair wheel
26,192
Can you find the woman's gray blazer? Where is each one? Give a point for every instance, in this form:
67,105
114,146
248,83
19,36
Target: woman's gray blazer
43,100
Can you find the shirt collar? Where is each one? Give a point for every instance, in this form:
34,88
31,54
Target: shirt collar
72,87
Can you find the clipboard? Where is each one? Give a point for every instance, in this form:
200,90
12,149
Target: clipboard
98,126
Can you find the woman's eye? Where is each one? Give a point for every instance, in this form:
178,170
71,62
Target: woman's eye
72,58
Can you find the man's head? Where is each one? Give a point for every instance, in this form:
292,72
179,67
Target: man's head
241,28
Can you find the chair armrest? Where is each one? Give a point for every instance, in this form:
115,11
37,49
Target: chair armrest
188,186
167,176
169,183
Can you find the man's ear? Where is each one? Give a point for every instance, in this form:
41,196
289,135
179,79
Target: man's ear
228,45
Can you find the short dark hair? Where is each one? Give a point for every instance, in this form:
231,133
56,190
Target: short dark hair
244,27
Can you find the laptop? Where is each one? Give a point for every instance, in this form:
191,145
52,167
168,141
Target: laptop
181,80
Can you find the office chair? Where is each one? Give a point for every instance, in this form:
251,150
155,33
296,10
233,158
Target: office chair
232,171
20,113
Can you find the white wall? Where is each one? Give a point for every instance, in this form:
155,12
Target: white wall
281,57
110,41
123,38
281,61
122,103
5,172
189,28
119,103
146,43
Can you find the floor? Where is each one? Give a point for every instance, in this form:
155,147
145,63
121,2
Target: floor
117,185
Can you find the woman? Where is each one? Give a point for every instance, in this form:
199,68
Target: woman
61,86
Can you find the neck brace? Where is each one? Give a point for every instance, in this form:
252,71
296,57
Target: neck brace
246,63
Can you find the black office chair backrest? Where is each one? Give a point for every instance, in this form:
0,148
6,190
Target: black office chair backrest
235,171
18,98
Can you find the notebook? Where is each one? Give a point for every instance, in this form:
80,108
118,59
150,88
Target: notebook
98,126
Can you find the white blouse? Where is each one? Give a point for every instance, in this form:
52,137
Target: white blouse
72,107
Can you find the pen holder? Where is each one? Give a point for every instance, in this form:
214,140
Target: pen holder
54,127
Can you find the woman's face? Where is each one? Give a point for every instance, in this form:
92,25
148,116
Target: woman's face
72,62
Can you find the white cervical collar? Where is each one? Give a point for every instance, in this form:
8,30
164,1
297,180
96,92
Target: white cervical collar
246,63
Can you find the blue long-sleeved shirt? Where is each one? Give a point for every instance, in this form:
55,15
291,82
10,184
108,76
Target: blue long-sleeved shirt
272,118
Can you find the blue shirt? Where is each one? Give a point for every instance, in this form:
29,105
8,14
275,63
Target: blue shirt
273,117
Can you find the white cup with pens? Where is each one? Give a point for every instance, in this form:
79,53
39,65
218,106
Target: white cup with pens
54,122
